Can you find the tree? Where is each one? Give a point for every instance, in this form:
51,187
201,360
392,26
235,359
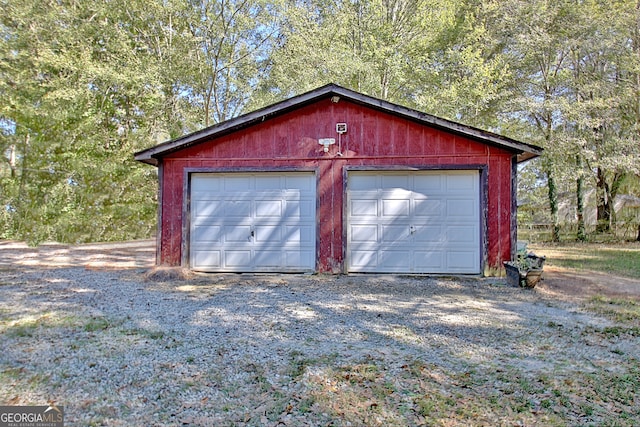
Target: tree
86,84
603,85
434,55
230,45
536,43
571,63
81,96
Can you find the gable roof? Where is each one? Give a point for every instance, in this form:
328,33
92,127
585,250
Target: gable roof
151,155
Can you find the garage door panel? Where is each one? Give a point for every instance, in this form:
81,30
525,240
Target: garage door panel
236,233
296,234
295,258
296,209
460,261
364,233
364,208
235,259
462,208
429,261
422,218
237,208
267,234
206,209
365,181
395,233
204,195
269,208
464,235
462,182
208,259
395,261
397,182
395,208
268,259
208,234
428,208
237,183
362,259
266,183
253,222
429,234
428,184
206,184
301,183
391,193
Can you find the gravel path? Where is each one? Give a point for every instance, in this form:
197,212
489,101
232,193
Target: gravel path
117,349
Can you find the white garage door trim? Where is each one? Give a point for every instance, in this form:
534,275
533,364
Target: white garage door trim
252,222
413,222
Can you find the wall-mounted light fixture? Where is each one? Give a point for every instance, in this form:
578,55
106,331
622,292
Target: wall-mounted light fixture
326,142
335,99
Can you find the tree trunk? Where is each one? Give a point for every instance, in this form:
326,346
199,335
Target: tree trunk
581,234
553,205
618,178
603,204
12,160
605,195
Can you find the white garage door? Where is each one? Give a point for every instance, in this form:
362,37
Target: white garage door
256,222
413,222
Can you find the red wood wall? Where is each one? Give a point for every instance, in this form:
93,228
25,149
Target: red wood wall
374,139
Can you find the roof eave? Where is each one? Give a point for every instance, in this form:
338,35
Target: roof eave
146,159
526,156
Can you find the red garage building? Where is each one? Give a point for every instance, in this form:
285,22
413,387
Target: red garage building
337,181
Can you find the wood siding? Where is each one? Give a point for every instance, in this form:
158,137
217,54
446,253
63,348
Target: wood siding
374,140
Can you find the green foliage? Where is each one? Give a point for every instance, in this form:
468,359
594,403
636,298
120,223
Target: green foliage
76,104
578,88
86,84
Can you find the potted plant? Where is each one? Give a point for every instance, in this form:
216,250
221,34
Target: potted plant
525,270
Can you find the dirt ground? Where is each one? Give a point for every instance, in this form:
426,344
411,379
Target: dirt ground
562,282
93,329
575,284
118,255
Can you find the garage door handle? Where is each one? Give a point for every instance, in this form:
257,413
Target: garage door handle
253,233
412,229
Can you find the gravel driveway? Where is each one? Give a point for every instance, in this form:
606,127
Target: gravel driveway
118,349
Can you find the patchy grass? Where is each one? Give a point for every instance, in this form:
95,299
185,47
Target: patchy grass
145,333
28,325
616,309
371,393
621,259
624,312
95,324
